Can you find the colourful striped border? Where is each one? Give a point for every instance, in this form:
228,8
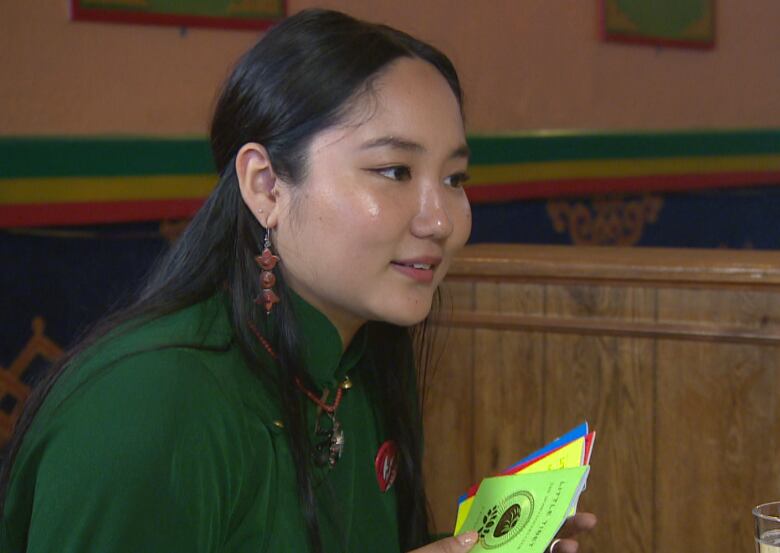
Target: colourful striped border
79,13
62,181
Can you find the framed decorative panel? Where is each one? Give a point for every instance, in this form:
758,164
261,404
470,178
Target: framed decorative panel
230,14
683,23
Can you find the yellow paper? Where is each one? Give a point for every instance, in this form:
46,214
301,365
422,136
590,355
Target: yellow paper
463,512
569,456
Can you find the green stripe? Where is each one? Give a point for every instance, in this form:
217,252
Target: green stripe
109,156
542,146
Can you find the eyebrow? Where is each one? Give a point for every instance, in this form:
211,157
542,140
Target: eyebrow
461,151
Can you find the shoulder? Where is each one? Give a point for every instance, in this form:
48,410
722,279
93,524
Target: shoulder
152,406
153,427
167,381
149,386
189,356
202,325
154,422
151,448
157,363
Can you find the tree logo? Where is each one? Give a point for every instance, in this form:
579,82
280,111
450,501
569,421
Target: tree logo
502,522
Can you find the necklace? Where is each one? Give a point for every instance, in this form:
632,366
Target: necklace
330,445
328,450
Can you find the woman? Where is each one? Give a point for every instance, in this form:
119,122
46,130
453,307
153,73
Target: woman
261,393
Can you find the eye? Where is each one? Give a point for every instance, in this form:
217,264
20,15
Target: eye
395,172
457,180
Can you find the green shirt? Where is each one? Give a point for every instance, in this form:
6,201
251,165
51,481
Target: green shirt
138,449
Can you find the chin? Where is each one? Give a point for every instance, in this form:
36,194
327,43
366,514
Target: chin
407,317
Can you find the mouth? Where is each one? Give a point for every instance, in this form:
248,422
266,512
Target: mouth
420,269
418,266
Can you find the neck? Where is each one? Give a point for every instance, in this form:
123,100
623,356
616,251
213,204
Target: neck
347,325
347,331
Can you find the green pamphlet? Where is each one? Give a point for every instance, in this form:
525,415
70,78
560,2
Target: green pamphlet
522,513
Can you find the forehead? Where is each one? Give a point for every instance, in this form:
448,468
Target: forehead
409,99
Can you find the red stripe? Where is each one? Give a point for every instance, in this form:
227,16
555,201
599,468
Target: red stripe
31,215
647,41
116,16
586,187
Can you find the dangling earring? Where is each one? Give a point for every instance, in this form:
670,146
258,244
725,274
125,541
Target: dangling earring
267,261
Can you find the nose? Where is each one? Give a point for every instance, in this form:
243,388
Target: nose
432,219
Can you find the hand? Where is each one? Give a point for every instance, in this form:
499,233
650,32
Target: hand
563,542
456,544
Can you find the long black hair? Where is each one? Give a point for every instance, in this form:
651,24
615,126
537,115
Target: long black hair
297,81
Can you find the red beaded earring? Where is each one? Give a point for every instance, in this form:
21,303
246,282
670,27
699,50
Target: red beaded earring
267,261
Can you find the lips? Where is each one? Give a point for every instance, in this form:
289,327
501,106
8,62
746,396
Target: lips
420,266
420,269
424,263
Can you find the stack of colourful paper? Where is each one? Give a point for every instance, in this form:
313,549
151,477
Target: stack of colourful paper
522,509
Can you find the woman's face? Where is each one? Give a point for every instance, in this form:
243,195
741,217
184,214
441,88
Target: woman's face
382,192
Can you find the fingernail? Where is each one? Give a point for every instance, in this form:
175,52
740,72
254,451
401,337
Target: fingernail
469,538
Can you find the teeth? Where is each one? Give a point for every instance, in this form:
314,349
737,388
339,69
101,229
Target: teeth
421,266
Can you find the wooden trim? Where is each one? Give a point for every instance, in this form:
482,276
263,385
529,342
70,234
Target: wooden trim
632,266
610,327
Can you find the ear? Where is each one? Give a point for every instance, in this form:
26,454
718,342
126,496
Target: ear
258,183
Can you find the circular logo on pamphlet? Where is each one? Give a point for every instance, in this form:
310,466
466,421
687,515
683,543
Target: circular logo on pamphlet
501,523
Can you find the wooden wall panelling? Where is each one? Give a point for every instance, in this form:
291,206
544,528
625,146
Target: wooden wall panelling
448,413
718,425
507,373
716,432
607,380
672,355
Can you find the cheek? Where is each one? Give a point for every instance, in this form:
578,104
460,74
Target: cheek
350,230
461,223
369,218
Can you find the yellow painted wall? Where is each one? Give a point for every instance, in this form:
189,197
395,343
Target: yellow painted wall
526,64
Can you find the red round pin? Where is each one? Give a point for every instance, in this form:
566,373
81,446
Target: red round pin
386,465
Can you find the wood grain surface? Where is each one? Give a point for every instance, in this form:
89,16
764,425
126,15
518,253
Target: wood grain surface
671,355
448,414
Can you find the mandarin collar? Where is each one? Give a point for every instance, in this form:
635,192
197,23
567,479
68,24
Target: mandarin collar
321,350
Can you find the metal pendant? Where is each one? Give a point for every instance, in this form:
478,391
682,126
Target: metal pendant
328,451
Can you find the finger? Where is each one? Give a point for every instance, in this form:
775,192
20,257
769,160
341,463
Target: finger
580,522
456,544
466,541
564,546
